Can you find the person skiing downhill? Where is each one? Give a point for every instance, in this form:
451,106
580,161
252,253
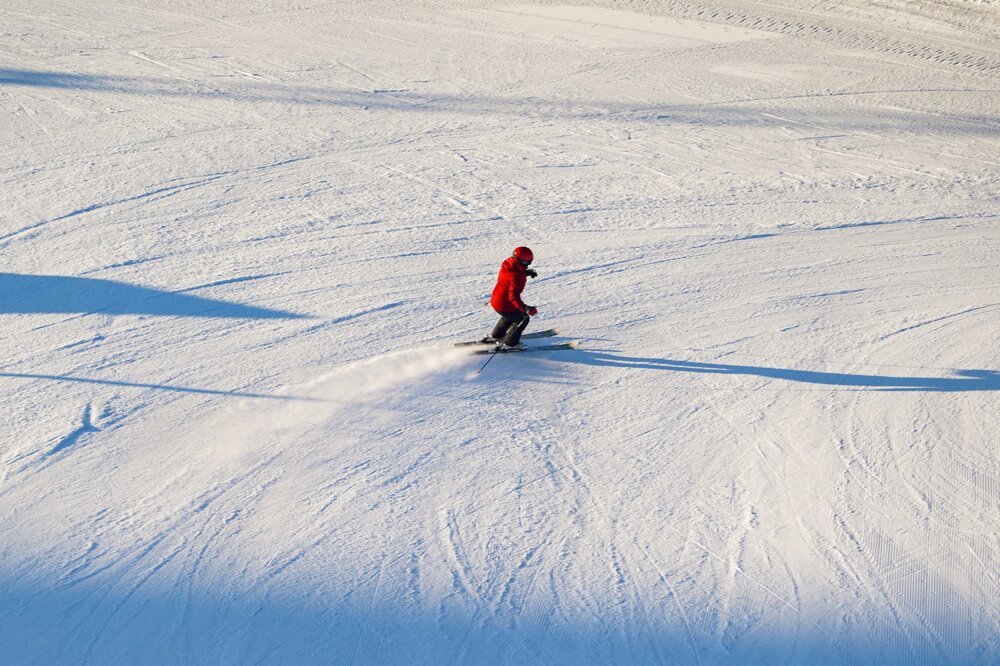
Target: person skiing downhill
506,299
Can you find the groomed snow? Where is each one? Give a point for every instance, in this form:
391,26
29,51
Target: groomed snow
239,238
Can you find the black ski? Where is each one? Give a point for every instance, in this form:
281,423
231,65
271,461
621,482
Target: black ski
547,333
556,347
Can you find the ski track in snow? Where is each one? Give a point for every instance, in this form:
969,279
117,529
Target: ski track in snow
772,227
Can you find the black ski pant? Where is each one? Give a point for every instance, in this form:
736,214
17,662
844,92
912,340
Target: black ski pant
510,327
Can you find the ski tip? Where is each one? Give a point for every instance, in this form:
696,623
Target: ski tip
573,344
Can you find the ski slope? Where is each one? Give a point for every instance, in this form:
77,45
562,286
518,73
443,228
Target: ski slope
240,238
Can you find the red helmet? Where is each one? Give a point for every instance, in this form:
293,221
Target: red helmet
524,254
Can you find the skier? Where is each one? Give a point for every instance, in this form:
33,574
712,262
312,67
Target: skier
506,300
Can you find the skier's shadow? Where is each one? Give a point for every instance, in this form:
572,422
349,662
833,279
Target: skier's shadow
962,380
65,294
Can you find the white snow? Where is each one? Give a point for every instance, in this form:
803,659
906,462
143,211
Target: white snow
239,238
597,27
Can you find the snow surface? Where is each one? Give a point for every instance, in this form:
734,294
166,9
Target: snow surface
239,237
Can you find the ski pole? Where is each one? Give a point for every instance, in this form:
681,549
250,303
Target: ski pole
487,362
495,349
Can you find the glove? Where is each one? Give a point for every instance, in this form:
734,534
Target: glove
530,310
531,272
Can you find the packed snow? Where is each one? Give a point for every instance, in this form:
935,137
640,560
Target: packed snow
240,238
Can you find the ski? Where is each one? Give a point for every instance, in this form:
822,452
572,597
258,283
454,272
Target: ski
547,333
556,347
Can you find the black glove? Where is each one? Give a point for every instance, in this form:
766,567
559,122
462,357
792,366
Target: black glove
531,272
530,310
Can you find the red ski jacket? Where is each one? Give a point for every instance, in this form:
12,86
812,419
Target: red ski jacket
510,284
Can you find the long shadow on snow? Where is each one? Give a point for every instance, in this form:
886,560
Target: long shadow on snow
160,387
964,380
61,620
37,294
745,112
